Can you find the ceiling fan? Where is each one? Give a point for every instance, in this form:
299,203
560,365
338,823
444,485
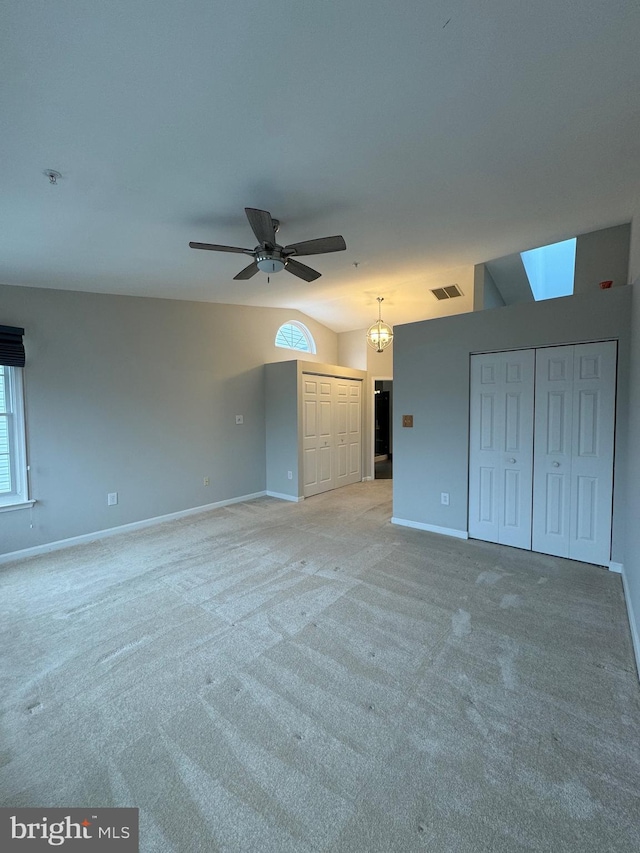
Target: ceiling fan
269,256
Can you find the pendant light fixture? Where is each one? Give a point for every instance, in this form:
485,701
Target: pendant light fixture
379,335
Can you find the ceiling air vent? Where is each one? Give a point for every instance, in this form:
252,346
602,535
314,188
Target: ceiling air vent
449,292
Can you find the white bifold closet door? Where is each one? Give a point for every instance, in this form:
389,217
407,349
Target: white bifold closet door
573,456
332,433
501,447
541,449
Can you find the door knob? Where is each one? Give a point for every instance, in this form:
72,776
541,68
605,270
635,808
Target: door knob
512,461
556,464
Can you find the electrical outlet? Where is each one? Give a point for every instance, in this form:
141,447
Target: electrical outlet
444,498
239,419
206,481
112,498
289,475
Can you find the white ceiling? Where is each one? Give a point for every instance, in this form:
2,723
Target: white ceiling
432,134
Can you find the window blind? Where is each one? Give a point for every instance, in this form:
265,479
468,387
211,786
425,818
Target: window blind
11,346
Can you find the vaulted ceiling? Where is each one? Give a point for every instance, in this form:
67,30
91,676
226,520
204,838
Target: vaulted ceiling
432,135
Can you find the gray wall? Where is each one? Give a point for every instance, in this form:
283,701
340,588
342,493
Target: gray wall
600,256
139,396
513,278
510,282
431,382
380,363
632,551
492,296
282,442
352,349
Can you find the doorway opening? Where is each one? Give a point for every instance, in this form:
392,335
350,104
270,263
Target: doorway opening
383,429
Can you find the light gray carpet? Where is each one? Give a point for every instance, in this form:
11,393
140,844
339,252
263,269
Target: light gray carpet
289,678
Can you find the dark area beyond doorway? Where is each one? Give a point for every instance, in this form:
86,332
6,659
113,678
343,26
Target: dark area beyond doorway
383,391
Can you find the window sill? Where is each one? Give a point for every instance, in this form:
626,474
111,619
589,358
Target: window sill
18,505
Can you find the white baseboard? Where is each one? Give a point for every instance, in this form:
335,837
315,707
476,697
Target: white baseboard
367,479
633,625
615,567
123,528
432,528
282,497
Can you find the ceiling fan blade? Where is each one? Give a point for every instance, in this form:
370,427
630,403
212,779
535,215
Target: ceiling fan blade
262,225
247,272
317,247
301,270
213,248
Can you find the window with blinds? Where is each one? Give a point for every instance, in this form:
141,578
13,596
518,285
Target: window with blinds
13,457
5,455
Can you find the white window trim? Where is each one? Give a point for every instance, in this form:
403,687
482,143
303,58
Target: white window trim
306,334
19,497
22,505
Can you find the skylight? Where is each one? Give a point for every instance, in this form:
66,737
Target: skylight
550,269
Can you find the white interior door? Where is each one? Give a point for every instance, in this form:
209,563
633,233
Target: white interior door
332,433
501,447
348,431
317,435
573,460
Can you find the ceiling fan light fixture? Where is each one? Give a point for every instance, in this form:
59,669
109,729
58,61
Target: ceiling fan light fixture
269,264
380,334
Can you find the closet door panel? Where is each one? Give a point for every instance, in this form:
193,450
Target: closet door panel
310,467
592,462
352,439
517,450
325,475
355,431
552,451
485,460
573,458
317,431
310,434
342,463
501,447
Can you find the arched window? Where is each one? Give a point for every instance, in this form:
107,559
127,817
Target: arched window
294,335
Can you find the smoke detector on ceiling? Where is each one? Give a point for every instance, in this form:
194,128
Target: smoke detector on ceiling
449,292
